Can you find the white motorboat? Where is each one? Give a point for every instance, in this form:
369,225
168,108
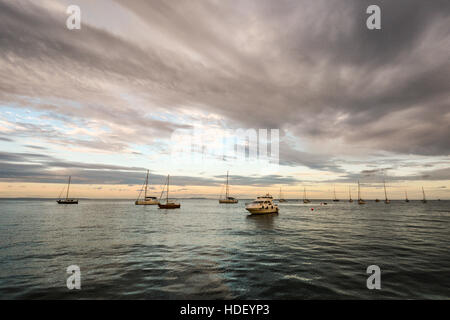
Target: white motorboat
262,205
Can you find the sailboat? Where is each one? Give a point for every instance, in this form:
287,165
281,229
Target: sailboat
424,200
406,197
387,201
168,205
335,199
281,199
147,200
228,199
67,200
305,200
349,195
360,201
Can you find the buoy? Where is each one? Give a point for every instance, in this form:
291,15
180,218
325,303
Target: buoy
312,209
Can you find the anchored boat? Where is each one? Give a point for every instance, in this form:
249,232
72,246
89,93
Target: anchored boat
335,199
360,201
262,205
67,200
387,201
168,204
305,200
281,198
227,198
424,200
147,199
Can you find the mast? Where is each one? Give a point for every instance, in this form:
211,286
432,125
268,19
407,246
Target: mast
68,186
359,192
385,193
423,191
167,195
406,195
226,196
349,193
146,183
304,193
334,192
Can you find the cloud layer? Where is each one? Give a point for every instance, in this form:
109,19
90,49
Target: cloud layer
309,68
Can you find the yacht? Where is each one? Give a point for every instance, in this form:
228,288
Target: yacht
350,195
424,200
305,200
168,204
406,197
227,198
147,200
335,199
360,201
262,205
387,201
281,198
67,200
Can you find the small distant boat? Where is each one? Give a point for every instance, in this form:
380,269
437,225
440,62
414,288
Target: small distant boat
377,200
147,200
227,198
168,204
67,200
262,205
424,200
360,201
406,197
281,198
305,200
350,195
387,201
335,199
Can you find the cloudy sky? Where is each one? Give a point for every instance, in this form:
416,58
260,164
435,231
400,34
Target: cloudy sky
104,103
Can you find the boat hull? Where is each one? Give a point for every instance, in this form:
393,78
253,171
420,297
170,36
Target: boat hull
67,201
169,205
228,201
306,201
146,202
259,211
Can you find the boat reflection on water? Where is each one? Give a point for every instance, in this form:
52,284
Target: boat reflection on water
264,222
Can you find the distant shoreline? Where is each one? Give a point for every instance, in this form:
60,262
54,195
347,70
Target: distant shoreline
197,198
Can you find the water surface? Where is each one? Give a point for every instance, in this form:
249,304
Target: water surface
209,251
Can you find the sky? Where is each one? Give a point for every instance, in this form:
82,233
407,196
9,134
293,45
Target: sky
169,85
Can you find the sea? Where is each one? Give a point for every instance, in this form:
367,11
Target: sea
207,250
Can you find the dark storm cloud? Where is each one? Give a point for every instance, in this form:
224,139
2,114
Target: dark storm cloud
259,181
378,176
310,66
30,167
369,77
6,139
